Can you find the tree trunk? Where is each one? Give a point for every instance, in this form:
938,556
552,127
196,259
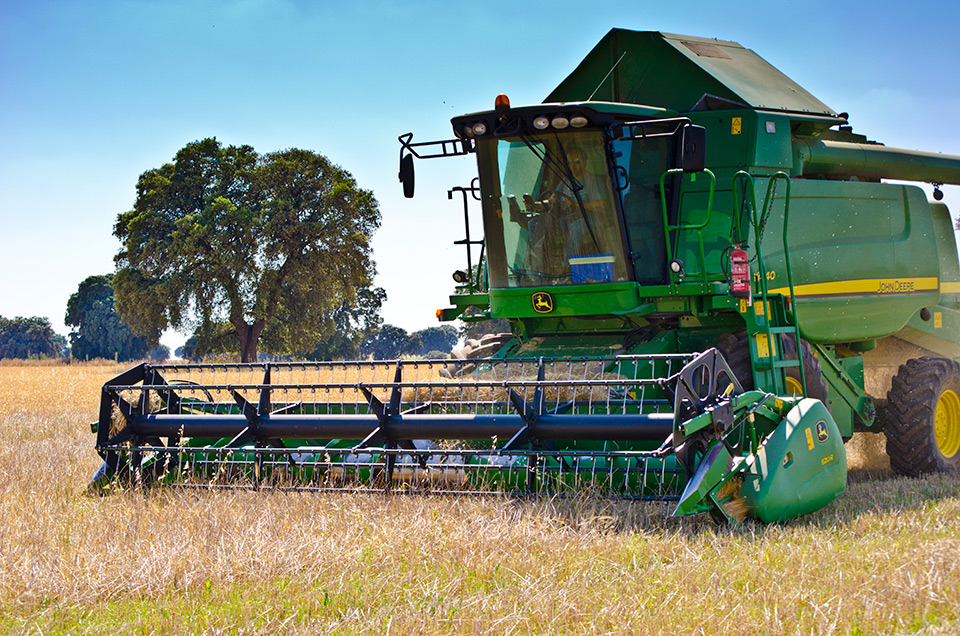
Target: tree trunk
248,349
249,337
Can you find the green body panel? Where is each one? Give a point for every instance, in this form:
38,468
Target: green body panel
740,137
569,300
860,254
938,329
861,257
800,468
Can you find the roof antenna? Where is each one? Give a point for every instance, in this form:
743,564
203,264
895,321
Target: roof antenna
590,99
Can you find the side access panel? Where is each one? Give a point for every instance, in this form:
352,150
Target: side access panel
938,328
862,257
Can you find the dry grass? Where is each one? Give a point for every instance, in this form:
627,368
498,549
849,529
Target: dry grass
882,559
59,362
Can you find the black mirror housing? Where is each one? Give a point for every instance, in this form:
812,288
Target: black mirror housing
406,175
694,148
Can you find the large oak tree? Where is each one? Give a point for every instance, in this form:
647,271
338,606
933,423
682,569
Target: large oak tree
272,244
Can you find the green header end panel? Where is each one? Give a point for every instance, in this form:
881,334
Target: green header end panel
676,72
800,468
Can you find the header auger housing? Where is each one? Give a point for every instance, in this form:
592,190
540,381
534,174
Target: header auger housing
673,195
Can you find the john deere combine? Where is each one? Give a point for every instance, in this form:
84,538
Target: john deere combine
697,259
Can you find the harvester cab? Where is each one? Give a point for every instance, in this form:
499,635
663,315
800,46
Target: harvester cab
694,266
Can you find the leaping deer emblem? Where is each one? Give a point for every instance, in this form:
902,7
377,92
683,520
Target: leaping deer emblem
542,302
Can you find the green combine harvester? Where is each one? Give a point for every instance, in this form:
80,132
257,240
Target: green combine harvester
701,268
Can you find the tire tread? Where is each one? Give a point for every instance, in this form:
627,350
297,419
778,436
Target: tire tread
911,408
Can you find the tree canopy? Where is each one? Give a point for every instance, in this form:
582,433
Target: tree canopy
389,342
161,353
28,338
98,331
275,245
441,338
353,324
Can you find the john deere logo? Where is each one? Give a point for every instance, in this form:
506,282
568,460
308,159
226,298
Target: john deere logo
822,433
542,302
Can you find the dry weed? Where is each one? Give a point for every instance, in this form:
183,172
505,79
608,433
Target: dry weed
882,559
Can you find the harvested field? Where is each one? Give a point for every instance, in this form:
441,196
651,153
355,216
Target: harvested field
882,559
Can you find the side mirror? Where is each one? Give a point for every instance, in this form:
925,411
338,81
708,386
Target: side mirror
693,149
406,175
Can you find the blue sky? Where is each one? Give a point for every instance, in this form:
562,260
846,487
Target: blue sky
94,92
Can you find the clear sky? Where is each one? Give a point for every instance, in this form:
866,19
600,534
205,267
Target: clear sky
94,92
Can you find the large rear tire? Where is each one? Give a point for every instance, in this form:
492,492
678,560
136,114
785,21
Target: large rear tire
736,349
923,417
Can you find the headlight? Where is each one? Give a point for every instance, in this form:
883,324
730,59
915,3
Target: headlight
541,122
560,122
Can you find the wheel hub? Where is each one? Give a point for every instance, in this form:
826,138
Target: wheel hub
947,423
794,387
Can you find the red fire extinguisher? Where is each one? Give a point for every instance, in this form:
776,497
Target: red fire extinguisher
739,273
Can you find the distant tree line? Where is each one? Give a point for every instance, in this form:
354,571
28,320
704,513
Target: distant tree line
393,342
99,332
30,338
384,342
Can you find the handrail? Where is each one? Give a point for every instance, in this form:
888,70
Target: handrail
474,284
747,179
786,258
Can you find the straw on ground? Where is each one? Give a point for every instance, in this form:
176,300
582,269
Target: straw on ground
882,559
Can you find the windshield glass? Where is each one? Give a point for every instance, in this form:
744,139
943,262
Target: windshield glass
549,211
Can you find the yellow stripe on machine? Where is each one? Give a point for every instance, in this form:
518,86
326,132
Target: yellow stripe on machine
879,286
950,288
